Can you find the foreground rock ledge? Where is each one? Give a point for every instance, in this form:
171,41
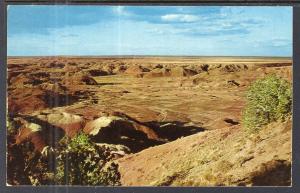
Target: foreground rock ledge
223,157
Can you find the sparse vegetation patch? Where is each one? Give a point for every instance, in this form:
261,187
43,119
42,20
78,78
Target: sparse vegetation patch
268,99
82,162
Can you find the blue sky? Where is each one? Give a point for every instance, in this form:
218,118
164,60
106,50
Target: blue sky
36,30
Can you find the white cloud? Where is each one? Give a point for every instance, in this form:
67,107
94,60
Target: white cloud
180,18
120,10
198,35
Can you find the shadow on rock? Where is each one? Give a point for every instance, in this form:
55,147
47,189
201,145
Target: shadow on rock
122,130
135,140
56,100
174,130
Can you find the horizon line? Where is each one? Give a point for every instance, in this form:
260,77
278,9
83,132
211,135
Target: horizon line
139,55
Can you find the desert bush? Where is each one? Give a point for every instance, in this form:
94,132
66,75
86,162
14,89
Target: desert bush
268,99
76,161
82,162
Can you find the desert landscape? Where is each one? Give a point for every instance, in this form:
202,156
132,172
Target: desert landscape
148,121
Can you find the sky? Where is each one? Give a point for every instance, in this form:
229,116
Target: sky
48,30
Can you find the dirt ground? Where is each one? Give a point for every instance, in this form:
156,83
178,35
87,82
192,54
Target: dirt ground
176,97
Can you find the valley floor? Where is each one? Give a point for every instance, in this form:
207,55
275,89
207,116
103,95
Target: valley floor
179,116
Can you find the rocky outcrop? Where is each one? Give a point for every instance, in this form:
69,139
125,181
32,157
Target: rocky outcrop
32,99
173,72
30,132
181,71
79,79
233,67
70,123
113,127
136,70
157,72
47,129
222,157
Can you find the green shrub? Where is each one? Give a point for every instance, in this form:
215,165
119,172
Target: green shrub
76,161
82,162
268,99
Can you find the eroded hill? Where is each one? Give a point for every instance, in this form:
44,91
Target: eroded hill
189,108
